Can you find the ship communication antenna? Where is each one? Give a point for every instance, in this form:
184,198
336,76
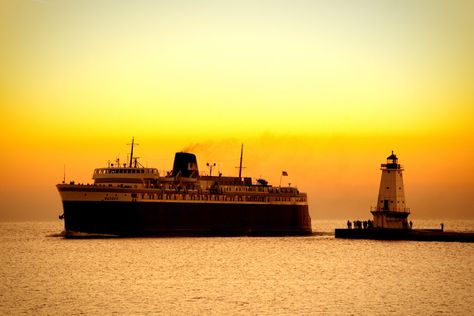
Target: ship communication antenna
64,174
131,151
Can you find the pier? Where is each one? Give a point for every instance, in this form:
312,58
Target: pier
405,234
390,216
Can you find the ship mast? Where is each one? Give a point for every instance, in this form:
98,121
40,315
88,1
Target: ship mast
131,152
240,166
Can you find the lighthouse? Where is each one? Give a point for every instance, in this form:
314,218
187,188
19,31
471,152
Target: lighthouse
391,214
391,211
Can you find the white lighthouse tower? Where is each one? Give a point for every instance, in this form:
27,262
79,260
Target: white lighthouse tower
391,211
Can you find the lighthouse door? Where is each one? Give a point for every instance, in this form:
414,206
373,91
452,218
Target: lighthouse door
385,205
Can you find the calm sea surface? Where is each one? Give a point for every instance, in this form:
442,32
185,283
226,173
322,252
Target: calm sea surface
43,274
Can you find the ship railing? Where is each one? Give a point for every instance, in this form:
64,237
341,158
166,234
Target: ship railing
175,196
401,210
391,166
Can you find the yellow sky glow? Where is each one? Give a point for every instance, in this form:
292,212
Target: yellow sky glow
323,89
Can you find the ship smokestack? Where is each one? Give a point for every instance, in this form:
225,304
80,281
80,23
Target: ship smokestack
185,165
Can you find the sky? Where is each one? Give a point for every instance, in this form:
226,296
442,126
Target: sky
324,90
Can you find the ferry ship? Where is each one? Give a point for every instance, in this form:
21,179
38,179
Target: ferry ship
132,200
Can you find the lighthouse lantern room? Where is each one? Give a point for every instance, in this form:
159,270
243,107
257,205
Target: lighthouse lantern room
391,211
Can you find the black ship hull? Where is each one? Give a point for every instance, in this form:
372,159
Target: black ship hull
185,219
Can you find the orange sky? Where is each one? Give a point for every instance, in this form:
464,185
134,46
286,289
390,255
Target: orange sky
322,90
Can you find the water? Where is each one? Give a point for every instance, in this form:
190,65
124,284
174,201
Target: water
45,275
